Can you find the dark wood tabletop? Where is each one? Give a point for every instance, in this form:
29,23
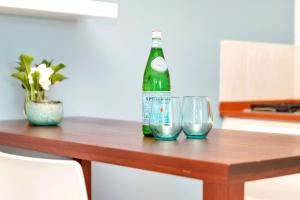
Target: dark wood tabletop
225,160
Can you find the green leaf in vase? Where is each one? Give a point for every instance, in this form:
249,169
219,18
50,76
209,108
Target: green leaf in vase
25,62
57,78
48,63
22,76
58,67
35,78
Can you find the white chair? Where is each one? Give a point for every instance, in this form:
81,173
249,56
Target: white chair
279,188
26,178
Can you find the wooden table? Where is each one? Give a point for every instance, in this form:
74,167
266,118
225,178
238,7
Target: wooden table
224,161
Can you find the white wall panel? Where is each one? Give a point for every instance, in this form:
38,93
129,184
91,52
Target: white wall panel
297,72
256,71
297,22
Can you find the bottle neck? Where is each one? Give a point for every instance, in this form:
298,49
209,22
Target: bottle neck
156,43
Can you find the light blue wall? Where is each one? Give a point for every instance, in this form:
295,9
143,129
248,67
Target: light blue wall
106,59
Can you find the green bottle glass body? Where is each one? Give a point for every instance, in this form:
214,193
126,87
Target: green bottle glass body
156,82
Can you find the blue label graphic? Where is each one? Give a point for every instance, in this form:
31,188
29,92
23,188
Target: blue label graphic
147,103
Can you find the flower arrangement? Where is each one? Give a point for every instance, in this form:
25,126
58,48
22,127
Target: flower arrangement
37,79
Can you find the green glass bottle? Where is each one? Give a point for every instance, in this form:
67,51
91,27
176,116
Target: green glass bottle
156,82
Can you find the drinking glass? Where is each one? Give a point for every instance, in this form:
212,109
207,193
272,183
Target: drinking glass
197,119
165,118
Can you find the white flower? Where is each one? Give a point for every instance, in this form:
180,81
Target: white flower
45,74
45,84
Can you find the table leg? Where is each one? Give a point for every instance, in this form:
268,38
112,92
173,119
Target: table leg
216,191
87,172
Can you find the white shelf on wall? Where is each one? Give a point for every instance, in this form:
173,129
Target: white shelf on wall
59,9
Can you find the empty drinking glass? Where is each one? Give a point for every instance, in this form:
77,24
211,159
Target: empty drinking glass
165,118
197,118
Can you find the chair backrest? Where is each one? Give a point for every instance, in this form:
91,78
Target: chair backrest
26,178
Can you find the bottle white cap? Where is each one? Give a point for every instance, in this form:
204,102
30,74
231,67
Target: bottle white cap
156,34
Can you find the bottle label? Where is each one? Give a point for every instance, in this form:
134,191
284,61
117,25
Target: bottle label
159,64
147,104
160,111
